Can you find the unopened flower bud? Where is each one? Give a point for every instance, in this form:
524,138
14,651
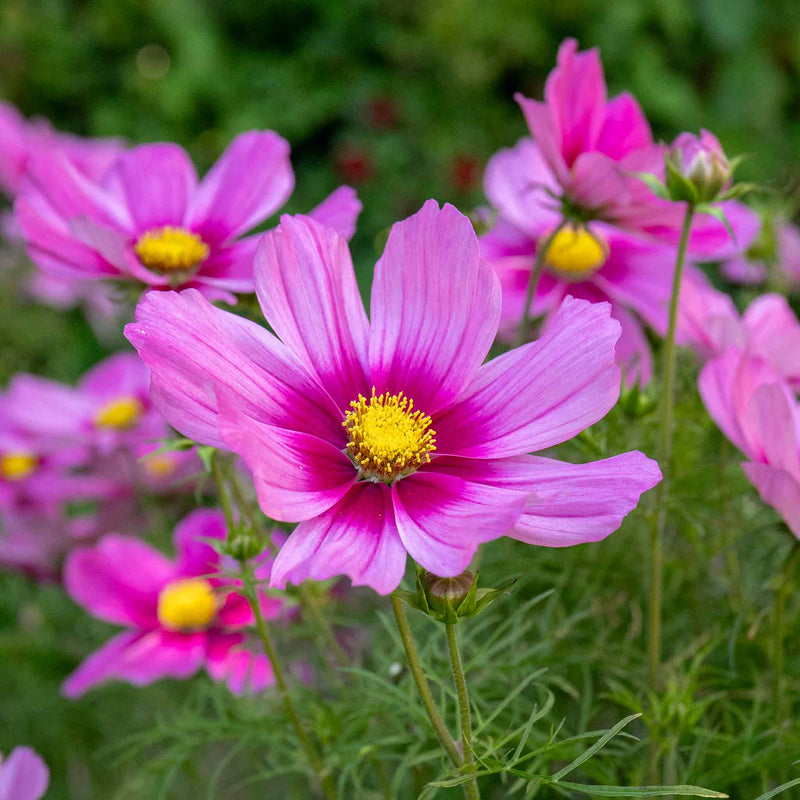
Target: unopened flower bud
244,545
697,168
444,593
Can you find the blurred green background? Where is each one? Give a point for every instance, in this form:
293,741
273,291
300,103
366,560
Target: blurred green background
404,100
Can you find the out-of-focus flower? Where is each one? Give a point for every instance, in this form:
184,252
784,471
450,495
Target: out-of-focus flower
697,168
757,410
464,172
389,438
20,140
776,250
179,615
354,164
150,220
382,112
709,322
23,775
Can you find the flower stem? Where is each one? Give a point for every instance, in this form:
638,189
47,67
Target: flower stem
471,791
779,631
533,281
437,723
664,459
314,759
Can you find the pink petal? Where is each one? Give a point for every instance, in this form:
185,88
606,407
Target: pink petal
196,556
744,271
442,518
599,185
357,537
540,394
775,334
625,128
158,181
118,579
230,266
120,375
194,350
435,308
779,489
517,182
632,353
789,251
14,150
297,475
308,293
100,666
339,211
546,133
251,180
576,94
708,320
23,775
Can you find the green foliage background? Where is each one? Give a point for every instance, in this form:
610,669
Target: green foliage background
407,99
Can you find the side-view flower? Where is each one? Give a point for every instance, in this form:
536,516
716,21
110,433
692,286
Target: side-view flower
391,437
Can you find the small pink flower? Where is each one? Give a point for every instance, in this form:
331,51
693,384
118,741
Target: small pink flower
179,615
388,438
150,220
20,140
702,162
23,775
769,329
752,266
756,409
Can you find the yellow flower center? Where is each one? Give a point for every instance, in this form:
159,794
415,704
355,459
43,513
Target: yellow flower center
160,465
388,438
575,253
18,465
171,251
186,605
120,414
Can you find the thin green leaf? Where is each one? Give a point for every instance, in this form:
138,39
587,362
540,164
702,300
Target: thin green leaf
596,747
638,791
779,789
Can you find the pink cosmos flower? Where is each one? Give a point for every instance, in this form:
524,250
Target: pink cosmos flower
751,267
756,409
597,261
592,147
178,615
709,322
23,775
20,140
388,438
150,221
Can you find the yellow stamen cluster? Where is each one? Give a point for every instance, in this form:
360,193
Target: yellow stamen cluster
575,253
121,414
16,465
387,437
171,250
187,605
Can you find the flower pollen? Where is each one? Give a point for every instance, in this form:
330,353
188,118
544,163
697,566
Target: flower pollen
575,253
187,604
387,437
121,414
18,465
171,251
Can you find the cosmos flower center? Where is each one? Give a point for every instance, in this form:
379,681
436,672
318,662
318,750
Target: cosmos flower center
187,604
171,251
16,465
575,253
120,414
388,438
160,465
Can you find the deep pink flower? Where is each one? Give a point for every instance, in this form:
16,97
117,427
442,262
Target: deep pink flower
756,409
388,437
179,615
23,775
769,329
151,221
20,140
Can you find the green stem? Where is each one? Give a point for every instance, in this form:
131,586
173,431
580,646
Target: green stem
437,723
533,281
779,631
222,489
314,760
665,458
471,791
